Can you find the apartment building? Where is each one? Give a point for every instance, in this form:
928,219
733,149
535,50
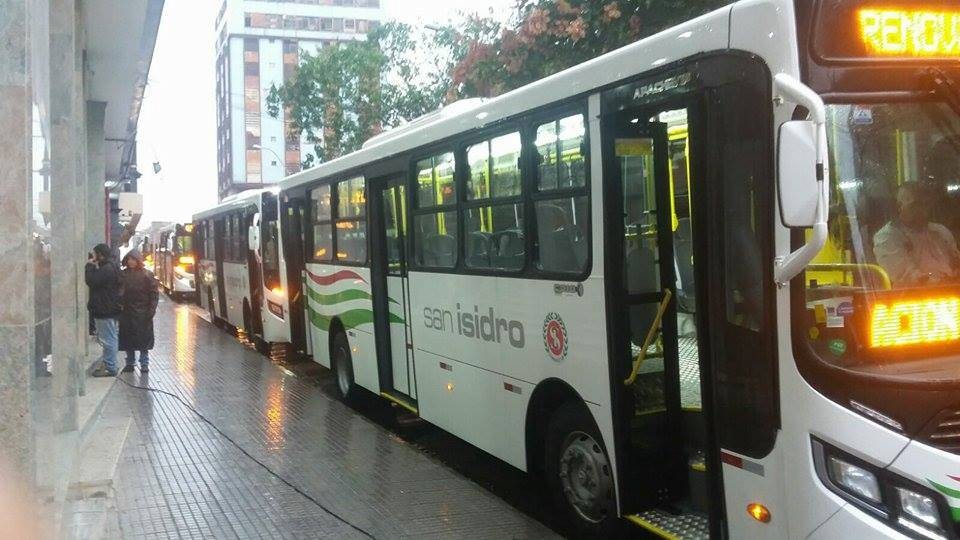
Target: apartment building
258,45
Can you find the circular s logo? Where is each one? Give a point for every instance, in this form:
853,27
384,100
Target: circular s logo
555,337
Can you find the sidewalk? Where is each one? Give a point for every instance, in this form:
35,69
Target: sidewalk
178,478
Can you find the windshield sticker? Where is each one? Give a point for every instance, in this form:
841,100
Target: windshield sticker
820,313
555,337
845,309
814,333
838,347
861,116
834,322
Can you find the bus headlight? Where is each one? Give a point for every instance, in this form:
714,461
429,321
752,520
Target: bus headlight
901,503
919,507
857,480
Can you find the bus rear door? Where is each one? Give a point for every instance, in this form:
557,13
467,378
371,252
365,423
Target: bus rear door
390,289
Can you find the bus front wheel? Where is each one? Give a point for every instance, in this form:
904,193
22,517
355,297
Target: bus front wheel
579,473
343,368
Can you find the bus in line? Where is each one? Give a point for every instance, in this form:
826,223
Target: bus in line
173,260
241,270
706,284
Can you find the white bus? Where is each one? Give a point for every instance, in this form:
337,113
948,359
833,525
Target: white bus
629,278
173,260
241,275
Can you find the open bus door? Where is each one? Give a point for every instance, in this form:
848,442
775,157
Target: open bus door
644,308
391,306
696,402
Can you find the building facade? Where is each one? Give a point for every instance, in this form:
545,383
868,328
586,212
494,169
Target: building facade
72,80
259,43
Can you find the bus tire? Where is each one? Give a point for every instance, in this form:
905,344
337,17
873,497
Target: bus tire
342,363
579,474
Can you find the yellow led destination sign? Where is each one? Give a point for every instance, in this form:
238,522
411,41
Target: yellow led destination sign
910,33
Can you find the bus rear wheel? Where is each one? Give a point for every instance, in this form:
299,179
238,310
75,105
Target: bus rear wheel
342,363
579,473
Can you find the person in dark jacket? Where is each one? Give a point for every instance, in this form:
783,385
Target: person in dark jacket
139,303
103,277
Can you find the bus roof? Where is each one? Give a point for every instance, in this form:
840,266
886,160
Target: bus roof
236,201
708,32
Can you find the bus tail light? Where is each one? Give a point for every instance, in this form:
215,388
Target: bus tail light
186,259
915,322
277,291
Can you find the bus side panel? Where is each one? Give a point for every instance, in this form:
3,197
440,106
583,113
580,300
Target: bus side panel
343,293
236,287
502,336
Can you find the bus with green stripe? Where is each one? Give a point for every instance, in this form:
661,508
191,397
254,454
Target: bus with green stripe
706,284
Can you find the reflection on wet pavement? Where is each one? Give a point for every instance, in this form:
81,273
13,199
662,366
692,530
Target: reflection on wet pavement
178,477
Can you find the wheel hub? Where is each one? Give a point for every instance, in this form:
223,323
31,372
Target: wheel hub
585,476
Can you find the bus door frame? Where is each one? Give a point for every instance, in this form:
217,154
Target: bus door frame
379,273
219,237
614,126
291,244
251,217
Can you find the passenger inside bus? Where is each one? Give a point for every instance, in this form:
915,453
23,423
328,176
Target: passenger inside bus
911,248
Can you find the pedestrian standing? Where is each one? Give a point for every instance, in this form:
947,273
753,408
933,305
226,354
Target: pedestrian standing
139,305
103,278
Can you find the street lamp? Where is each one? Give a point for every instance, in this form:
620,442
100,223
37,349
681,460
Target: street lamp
275,154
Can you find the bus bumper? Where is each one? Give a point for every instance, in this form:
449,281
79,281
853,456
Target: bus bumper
184,284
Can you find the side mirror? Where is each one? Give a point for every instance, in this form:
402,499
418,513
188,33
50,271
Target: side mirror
803,185
253,238
798,179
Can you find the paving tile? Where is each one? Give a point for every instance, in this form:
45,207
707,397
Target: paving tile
178,478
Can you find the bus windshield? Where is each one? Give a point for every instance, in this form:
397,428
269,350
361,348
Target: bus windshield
884,294
184,244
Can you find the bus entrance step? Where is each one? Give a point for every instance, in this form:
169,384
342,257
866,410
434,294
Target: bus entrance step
686,525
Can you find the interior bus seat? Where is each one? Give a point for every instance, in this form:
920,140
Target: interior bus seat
478,249
393,248
641,277
556,239
683,248
509,250
443,248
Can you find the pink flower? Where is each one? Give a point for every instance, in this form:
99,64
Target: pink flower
537,22
611,12
565,8
577,29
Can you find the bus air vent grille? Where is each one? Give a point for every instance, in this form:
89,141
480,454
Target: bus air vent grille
944,431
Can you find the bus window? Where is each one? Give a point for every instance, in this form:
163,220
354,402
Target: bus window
494,230
640,214
561,209
270,243
435,232
321,214
351,229
560,154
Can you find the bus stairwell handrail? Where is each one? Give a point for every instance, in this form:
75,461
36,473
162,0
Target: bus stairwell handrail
638,360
